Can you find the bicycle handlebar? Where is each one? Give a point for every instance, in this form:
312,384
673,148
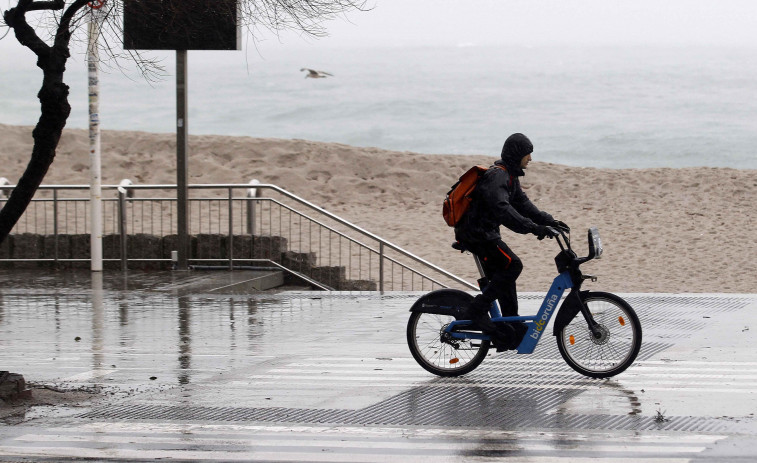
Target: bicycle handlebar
565,234
595,245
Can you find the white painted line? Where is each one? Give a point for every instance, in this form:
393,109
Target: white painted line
676,370
696,363
567,372
263,383
508,358
87,375
263,443
325,456
382,432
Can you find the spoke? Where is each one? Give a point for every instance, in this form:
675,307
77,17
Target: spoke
428,341
590,347
619,352
623,351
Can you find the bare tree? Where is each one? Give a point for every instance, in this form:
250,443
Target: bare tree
47,29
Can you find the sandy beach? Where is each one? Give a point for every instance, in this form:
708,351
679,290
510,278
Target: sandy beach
664,230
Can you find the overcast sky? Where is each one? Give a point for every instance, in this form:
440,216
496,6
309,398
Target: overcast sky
538,22
525,23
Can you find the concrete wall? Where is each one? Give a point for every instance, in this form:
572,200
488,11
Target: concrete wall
144,246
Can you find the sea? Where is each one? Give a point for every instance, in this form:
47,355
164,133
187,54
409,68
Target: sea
612,107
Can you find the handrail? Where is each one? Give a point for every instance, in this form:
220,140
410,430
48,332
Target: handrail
356,228
358,243
382,242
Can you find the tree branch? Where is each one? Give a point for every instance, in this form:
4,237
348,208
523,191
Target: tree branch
63,34
15,18
51,5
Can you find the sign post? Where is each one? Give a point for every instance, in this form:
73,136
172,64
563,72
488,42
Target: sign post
182,134
95,181
182,25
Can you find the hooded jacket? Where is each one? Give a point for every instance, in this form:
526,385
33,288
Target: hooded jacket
499,200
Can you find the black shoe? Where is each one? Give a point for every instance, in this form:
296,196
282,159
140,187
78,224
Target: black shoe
478,313
520,332
504,338
502,335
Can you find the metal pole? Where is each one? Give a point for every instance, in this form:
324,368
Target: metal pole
182,132
122,226
250,216
231,230
251,193
381,267
55,223
95,188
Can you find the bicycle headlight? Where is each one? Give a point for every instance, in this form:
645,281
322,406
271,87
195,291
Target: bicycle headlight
595,243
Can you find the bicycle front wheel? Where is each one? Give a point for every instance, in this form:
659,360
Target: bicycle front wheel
616,348
438,353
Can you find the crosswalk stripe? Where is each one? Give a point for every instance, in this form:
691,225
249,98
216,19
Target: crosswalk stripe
322,456
518,365
515,358
511,384
379,432
415,370
198,455
262,442
87,375
103,440
292,380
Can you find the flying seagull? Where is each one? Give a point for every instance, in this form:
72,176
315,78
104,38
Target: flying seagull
315,74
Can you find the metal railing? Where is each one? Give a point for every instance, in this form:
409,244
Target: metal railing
230,226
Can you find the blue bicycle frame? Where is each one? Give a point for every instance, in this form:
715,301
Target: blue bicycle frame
536,324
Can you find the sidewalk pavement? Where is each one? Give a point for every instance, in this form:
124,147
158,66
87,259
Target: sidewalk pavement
198,366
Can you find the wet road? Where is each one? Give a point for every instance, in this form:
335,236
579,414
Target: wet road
197,366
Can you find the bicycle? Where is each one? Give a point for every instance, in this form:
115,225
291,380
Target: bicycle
602,343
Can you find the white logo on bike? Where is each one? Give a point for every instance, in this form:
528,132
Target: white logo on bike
543,321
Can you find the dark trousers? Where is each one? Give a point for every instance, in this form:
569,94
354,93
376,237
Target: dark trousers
501,267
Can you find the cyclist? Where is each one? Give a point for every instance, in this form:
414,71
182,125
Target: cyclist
499,200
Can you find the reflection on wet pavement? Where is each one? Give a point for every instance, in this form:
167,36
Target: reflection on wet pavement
165,347
112,333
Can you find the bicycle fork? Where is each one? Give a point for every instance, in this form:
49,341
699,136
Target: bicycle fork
594,327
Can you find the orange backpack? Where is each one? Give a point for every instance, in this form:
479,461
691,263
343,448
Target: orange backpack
459,196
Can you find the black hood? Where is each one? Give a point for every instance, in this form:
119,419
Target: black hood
517,146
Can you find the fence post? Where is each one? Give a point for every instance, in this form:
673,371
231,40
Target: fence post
55,225
6,192
231,230
122,226
381,267
123,193
251,193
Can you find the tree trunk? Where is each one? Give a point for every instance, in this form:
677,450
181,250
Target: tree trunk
53,97
55,111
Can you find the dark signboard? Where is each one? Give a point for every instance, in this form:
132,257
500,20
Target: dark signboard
181,25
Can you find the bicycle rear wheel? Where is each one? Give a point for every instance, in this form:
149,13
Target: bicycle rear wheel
615,350
436,352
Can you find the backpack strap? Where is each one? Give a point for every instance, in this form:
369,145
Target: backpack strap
505,169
